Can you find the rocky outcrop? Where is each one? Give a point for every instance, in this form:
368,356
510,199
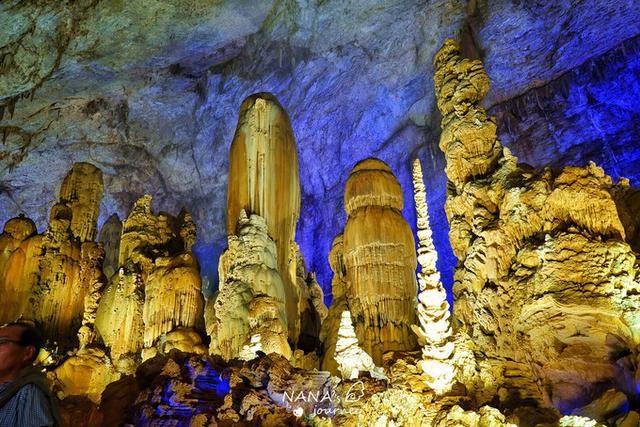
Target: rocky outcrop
249,313
434,328
545,285
380,260
157,288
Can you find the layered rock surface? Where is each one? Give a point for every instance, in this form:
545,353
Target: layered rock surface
380,260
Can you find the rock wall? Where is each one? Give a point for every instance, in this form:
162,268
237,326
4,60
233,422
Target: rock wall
380,260
546,283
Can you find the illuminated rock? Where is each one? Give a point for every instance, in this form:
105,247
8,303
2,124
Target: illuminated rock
485,416
380,260
69,268
91,274
110,239
434,330
264,180
157,289
331,325
545,285
349,357
249,311
81,191
20,248
86,373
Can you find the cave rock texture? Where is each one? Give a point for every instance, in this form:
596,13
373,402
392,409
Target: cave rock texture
546,285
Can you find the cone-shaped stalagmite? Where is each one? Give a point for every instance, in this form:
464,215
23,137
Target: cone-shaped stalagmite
264,180
380,260
434,330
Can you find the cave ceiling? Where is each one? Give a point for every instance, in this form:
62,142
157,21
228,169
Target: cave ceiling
149,92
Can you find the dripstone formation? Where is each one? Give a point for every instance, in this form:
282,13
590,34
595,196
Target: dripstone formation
380,260
545,321
546,283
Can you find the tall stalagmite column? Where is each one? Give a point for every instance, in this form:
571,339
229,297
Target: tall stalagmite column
20,248
264,180
60,291
434,330
380,260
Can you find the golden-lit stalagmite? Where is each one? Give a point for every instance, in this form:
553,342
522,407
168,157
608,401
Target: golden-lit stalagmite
434,328
264,180
110,238
249,311
157,288
349,357
380,260
60,290
20,247
81,191
331,325
545,285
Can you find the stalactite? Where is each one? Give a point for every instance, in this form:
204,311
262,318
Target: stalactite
434,330
349,357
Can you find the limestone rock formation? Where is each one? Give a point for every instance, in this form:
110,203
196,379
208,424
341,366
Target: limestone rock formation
110,239
380,260
249,311
264,180
70,263
546,283
331,325
434,330
157,289
351,359
20,248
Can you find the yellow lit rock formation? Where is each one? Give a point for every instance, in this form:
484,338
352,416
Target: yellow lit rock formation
249,314
157,288
380,260
264,180
546,283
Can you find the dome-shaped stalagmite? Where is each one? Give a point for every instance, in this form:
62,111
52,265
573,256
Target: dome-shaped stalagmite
380,260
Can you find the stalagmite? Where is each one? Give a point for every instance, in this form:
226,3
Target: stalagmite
380,260
264,180
434,330
20,248
249,311
331,325
546,283
157,289
350,358
60,290
81,191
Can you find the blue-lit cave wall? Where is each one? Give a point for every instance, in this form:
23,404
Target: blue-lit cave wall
153,102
